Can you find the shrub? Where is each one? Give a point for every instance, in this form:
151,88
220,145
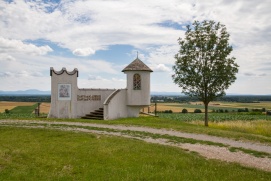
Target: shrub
256,110
168,111
6,111
243,110
197,111
184,111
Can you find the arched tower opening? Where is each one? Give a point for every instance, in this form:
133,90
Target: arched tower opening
137,82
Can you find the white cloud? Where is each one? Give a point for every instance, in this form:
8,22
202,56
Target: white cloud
99,66
79,25
5,74
83,51
94,77
118,80
20,74
15,46
6,57
163,54
160,68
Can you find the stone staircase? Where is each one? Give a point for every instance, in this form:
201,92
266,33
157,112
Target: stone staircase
97,114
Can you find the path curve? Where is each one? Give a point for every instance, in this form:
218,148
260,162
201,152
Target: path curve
208,151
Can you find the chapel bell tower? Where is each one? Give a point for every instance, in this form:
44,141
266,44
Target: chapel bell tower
138,83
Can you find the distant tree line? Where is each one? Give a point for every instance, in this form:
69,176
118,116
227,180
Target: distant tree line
156,98
26,98
228,98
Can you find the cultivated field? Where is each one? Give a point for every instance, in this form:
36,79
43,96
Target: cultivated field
230,106
44,107
175,107
10,105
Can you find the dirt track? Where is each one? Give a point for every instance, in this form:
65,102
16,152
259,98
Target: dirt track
208,151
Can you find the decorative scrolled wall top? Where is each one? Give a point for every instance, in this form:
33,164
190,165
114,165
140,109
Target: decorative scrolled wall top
75,71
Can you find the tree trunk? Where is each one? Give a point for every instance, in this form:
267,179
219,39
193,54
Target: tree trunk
206,114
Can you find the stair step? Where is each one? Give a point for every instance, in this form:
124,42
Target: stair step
87,117
93,115
97,114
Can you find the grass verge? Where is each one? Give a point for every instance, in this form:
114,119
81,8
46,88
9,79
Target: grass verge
140,134
165,123
37,154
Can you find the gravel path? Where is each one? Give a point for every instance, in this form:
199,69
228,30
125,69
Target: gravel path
208,151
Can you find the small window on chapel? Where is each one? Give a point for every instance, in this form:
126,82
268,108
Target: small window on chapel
137,82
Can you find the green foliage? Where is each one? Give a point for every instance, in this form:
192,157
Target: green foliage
6,111
25,98
202,68
197,111
168,111
226,98
258,110
243,110
184,111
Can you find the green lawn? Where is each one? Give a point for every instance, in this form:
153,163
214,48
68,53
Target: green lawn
21,112
38,154
24,109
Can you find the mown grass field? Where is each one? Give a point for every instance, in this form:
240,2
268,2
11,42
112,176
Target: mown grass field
38,154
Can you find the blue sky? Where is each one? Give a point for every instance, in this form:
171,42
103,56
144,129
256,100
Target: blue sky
101,37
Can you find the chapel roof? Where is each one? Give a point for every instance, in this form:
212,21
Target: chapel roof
137,65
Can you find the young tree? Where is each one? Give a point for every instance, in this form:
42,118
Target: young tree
202,68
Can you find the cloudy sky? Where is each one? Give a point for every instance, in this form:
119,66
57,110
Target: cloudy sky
101,37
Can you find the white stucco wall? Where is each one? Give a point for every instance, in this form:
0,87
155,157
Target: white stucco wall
133,111
138,97
89,100
115,106
63,108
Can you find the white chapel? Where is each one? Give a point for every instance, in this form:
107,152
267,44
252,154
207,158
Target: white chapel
68,101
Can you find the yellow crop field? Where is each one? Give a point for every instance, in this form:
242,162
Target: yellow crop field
175,107
10,105
178,107
45,107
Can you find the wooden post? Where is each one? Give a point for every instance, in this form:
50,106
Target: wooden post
38,109
155,108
